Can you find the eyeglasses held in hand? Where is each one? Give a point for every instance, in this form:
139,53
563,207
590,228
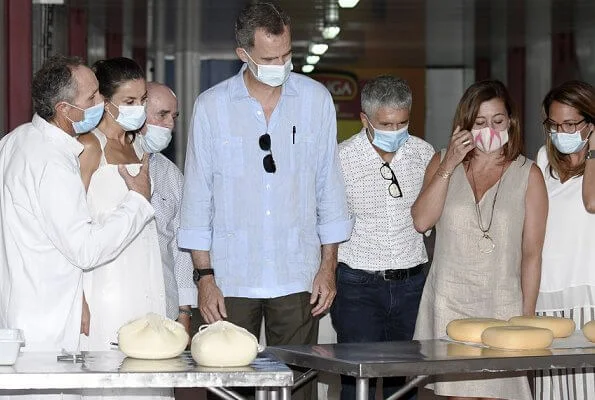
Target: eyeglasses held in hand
387,173
265,145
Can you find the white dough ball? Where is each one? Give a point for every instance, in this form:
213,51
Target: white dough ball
516,337
589,331
223,344
152,337
560,327
470,329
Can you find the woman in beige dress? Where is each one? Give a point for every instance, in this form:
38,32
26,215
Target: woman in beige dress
489,205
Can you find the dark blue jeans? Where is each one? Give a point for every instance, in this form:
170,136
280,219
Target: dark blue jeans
369,309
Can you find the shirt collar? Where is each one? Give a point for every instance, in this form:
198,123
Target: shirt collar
239,91
58,136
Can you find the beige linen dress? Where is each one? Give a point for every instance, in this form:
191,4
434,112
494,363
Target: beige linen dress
464,282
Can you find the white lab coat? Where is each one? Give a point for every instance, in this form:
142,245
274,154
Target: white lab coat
47,237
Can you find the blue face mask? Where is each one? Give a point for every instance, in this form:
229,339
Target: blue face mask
568,143
389,141
91,117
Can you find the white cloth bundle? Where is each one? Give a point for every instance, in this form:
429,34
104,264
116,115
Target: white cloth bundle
152,337
223,344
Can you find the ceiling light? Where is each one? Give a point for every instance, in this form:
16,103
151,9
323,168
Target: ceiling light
348,3
318,48
306,69
312,59
330,32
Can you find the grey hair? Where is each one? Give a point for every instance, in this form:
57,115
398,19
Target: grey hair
261,15
385,91
54,83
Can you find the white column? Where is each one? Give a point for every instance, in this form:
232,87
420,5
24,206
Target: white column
127,28
187,68
96,28
585,39
2,75
538,70
499,40
158,39
450,53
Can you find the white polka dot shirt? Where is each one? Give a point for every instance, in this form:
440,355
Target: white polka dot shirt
383,236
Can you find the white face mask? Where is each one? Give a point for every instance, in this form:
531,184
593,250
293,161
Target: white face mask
272,75
156,139
130,118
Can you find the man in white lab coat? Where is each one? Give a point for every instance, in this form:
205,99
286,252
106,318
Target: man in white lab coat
47,237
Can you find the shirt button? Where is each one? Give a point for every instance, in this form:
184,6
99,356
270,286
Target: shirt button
259,112
268,186
268,212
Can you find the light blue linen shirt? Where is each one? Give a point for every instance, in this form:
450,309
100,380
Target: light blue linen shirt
263,230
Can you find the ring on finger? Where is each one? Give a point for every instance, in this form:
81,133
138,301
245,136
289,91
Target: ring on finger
466,142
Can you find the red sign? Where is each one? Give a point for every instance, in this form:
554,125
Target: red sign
344,88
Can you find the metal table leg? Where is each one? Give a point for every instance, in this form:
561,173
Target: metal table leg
224,393
261,393
274,393
361,388
418,380
286,393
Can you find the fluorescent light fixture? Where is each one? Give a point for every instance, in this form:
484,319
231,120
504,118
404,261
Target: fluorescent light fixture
306,69
318,48
348,3
312,59
330,32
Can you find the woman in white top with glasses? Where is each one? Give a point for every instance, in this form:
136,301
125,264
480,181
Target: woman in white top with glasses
568,273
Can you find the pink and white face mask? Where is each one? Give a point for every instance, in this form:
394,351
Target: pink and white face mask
489,140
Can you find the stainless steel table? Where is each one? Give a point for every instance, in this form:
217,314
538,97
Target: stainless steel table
423,358
111,369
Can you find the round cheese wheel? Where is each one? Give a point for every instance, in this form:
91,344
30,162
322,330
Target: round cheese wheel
589,331
152,337
223,344
470,329
516,337
560,327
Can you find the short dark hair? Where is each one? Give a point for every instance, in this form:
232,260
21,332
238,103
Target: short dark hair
111,73
261,15
54,83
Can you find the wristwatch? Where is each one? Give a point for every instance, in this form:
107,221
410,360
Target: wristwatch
200,272
590,155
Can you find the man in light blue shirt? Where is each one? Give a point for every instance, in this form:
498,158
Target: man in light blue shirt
263,190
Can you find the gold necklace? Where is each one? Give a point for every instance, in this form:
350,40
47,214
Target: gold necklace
485,244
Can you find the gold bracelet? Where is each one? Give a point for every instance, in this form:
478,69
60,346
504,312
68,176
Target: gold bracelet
444,174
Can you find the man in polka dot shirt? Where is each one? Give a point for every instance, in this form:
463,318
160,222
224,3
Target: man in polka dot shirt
380,274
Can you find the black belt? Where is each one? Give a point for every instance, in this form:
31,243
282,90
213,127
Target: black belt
399,274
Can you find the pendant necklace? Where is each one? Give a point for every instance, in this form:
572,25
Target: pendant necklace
485,244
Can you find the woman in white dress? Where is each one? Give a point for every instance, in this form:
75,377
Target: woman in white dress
132,284
568,277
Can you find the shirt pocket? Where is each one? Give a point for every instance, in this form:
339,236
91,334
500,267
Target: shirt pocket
230,156
302,152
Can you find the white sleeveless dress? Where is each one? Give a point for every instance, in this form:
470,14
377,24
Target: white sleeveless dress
127,287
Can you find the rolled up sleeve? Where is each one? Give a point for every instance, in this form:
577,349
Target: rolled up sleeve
195,232
334,222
